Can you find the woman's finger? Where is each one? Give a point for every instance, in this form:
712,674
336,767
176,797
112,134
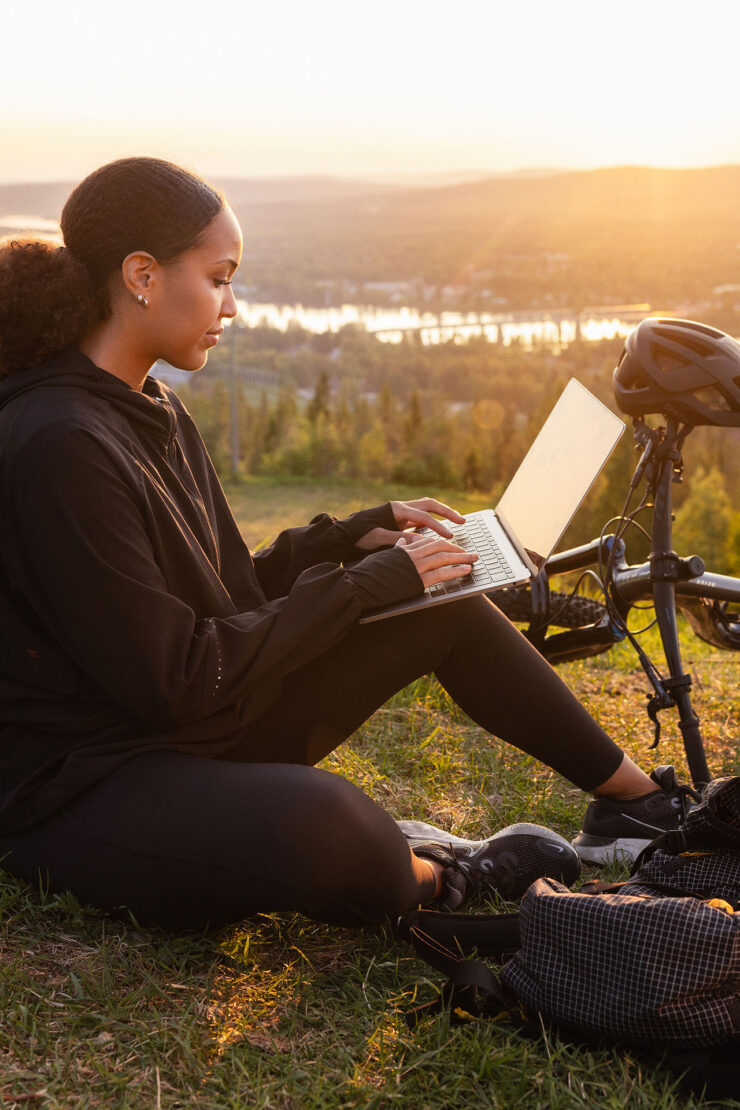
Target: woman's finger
438,527
431,544
445,574
419,514
444,559
431,505
431,576
437,560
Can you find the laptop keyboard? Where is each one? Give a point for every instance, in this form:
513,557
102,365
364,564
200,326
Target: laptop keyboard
492,569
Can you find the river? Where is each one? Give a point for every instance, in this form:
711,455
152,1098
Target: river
390,325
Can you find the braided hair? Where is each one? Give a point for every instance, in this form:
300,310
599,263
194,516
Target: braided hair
51,295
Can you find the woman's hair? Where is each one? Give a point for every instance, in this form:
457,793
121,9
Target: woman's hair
51,295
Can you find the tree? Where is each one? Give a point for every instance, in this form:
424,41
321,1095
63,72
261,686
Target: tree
414,420
732,551
372,454
323,449
471,475
703,521
319,403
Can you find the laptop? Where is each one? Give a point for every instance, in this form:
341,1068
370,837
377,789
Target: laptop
515,539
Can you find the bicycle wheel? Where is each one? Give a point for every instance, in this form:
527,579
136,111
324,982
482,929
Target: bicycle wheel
565,611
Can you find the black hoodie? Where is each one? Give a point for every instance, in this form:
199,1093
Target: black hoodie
132,615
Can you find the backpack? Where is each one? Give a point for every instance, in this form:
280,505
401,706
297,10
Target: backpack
652,963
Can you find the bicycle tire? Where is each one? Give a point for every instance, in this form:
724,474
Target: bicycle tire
566,611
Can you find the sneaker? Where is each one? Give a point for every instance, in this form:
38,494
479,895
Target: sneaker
507,863
619,830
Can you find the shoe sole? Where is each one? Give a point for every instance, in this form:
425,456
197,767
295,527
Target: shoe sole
420,830
550,854
605,850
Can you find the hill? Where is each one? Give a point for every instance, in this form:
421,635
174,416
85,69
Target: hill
616,235
38,198
605,236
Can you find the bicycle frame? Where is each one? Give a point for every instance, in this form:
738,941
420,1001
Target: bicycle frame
667,579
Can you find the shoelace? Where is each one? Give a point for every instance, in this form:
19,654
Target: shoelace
472,875
476,876
686,797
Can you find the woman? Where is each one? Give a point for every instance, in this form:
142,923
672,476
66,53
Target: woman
164,696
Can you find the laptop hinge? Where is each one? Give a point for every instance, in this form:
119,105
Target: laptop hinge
532,561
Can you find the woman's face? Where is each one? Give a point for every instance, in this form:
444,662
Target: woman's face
192,295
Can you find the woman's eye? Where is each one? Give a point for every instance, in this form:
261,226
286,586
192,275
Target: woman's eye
222,281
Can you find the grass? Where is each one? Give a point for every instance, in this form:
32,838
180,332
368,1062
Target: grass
279,1013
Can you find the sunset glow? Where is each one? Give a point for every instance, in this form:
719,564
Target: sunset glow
388,89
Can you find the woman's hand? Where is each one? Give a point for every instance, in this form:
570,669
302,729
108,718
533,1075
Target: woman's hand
437,560
411,514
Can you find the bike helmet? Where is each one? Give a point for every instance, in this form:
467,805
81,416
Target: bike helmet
680,368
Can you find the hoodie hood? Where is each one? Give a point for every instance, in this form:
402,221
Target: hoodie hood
150,411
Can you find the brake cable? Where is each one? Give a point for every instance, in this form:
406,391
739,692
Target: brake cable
661,697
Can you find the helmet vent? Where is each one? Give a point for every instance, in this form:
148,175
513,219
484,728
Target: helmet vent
692,325
712,397
667,360
704,350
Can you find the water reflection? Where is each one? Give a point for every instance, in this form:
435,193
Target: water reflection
391,325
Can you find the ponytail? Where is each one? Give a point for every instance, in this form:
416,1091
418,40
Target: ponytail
47,302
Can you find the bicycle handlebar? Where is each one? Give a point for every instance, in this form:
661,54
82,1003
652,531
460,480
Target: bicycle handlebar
696,590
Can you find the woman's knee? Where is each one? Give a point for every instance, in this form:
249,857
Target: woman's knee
365,859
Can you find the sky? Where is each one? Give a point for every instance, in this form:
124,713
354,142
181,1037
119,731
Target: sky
381,89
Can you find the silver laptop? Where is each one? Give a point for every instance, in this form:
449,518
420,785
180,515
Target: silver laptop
515,540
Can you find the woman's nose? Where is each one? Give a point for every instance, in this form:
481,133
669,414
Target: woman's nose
229,306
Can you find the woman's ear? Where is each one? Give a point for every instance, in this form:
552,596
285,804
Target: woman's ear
137,271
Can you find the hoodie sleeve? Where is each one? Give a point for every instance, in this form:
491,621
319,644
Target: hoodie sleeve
294,550
324,539
84,562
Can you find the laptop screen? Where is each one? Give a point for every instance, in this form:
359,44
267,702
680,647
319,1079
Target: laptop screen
559,469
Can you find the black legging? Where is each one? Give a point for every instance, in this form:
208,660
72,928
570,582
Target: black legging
180,840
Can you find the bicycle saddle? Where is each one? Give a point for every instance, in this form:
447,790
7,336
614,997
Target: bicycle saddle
680,368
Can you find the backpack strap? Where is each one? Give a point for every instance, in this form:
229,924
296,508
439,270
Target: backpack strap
714,823
472,990
673,842
495,936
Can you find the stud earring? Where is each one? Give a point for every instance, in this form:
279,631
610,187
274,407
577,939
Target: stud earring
141,299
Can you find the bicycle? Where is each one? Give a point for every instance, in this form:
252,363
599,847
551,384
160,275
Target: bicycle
711,602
